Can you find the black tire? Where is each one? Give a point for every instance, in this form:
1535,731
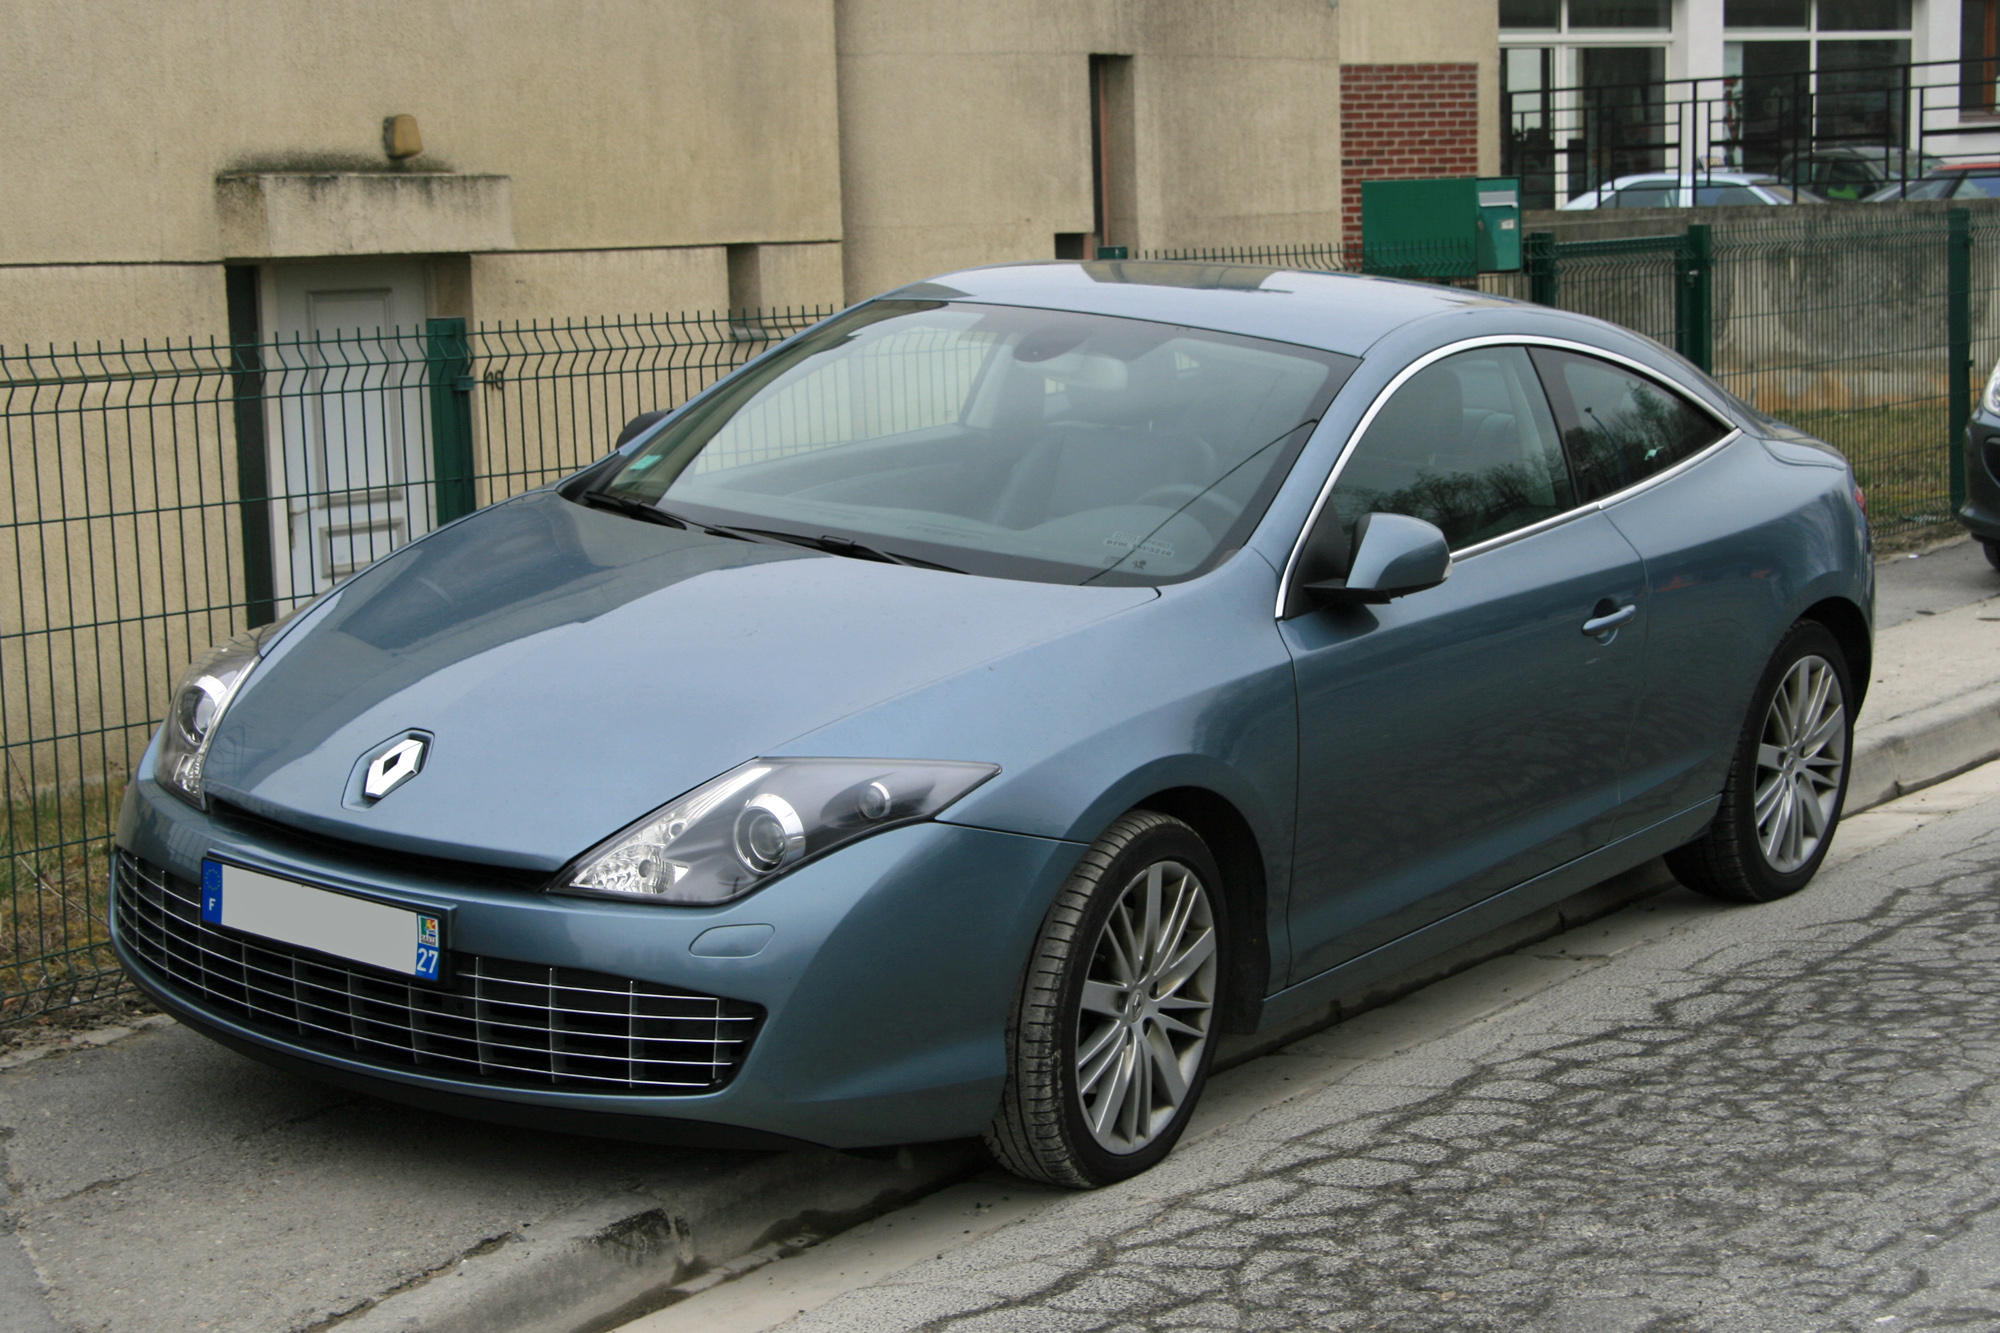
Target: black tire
1041,1131
1730,860
1992,553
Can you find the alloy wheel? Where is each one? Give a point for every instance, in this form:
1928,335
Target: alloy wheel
1147,1005
1800,758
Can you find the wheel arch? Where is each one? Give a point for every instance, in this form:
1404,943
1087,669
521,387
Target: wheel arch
1245,883
1849,627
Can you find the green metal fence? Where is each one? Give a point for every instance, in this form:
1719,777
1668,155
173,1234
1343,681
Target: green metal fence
158,498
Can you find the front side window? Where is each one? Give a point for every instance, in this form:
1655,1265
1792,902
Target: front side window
1022,443
1467,443
1619,427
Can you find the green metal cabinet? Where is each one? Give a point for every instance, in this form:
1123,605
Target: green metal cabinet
1448,228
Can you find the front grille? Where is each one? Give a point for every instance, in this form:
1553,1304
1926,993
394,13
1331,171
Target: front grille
501,1022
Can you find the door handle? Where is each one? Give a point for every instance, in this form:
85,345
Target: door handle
1603,626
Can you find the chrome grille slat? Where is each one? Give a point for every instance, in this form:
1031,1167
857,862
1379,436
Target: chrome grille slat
306,983
518,1024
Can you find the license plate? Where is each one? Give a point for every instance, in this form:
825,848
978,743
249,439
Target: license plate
395,939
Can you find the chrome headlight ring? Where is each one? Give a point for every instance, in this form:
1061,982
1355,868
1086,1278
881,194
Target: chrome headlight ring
736,833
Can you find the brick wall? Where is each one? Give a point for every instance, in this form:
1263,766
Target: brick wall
1401,122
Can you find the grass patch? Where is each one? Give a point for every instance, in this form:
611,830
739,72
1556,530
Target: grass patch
55,873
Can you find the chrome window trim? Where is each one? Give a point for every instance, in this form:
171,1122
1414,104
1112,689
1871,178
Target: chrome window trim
1732,432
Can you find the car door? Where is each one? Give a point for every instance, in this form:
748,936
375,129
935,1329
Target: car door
1460,740
1624,431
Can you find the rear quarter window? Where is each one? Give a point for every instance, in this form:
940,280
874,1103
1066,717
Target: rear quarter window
1619,427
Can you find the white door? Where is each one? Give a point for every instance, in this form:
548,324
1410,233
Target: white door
350,429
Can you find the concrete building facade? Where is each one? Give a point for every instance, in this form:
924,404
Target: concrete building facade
581,161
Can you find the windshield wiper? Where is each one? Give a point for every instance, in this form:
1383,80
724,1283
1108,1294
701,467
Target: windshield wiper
636,508
841,546
632,508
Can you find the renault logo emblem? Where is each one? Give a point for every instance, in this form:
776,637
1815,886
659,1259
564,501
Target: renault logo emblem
388,767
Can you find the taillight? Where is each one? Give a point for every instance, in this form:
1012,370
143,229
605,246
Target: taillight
1861,499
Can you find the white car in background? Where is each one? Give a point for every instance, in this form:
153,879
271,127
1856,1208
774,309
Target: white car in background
1659,189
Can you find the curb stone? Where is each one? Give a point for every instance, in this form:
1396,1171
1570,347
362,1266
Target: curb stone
617,1258
1928,745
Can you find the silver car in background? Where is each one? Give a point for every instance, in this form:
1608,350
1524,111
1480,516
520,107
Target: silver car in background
1661,189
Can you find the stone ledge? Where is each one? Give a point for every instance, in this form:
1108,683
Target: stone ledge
301,215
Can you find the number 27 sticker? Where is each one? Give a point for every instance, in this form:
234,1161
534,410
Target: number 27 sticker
427,947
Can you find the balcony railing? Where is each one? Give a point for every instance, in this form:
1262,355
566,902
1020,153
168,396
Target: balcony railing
1841,132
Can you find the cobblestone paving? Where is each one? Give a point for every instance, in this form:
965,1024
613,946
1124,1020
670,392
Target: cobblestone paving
1795,1132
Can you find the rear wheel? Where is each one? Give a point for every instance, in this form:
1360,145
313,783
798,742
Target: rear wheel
1110,1040
1992,553
1781,801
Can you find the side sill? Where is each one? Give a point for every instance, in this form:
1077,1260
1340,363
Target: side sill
1470,923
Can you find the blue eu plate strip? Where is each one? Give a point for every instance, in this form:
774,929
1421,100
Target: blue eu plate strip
211,892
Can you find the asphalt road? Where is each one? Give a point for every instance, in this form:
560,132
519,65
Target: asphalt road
1687,1117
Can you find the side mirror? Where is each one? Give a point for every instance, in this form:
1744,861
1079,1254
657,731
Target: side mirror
1394,555
637,425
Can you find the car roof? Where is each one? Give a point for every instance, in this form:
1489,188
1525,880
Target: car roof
1335,312
1693,178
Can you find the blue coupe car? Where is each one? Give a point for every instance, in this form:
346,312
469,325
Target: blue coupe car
957,719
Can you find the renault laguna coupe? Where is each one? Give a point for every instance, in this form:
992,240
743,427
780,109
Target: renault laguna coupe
956,720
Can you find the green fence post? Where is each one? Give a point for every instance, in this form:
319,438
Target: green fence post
1539,256
1958,318
1694,323
253,464
448,360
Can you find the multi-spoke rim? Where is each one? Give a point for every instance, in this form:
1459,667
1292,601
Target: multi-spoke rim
1800,758
1147,1002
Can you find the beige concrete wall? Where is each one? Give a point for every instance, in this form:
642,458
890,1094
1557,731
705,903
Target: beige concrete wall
596,284
1443,32
965,126
1238,111
65,303
793,276
621,123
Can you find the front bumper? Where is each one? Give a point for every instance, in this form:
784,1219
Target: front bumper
1981,512
884,988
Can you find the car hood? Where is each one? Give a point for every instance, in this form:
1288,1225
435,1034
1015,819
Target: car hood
576,669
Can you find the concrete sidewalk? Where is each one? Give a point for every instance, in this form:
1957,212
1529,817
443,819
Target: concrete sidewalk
159,1182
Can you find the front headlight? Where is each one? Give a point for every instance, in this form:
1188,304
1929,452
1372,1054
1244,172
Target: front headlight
756,822
1990,400
198,704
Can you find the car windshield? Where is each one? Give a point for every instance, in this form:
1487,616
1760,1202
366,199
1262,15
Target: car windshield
1031,444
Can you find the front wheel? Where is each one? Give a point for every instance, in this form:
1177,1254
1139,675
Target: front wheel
1781,801
1992,553
1110,1040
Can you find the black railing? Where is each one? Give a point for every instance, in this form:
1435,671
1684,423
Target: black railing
1841,132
